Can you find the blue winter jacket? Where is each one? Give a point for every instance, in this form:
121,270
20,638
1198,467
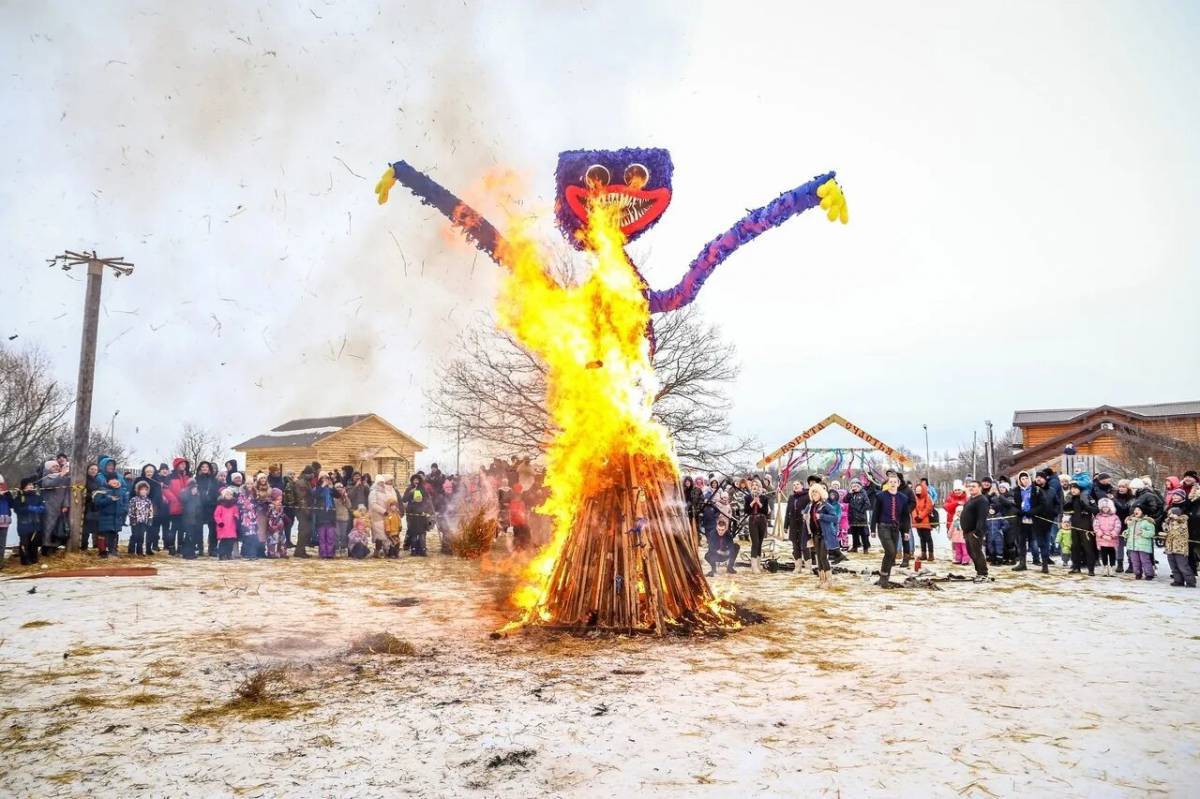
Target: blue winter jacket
111,503
829,514
30,509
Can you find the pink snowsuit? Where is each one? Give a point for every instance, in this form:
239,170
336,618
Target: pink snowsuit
1107,528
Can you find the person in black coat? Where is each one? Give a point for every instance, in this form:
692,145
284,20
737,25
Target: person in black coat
209,492
858,505
793,522
906,538
974,526
1083,542
886,517
758,511
1027,501
1102,488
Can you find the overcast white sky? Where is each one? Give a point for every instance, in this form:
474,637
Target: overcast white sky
1023,181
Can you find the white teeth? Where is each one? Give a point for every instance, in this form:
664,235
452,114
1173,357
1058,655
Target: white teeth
631,208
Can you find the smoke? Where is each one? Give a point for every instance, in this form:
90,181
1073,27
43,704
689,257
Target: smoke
230,151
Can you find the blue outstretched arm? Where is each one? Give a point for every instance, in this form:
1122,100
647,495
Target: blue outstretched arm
480,231
753,224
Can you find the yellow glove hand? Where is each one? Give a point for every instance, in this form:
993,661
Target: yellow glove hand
386,181
833,201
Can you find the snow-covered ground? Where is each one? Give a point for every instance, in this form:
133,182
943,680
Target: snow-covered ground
1029,686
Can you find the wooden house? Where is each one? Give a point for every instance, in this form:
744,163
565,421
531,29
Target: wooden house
1105,433
365,441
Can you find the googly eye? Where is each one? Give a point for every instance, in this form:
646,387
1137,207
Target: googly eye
636,176
597,176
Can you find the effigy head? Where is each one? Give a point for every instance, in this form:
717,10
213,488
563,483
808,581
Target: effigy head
636,179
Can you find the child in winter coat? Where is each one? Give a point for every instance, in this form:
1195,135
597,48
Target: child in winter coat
1175,530
276,526
958,542
1139,541
141,517
247,519
1107,527
30,510
5,518
1064,539
225,517
391,528
360,534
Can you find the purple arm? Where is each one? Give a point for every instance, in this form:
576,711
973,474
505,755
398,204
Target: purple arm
758,221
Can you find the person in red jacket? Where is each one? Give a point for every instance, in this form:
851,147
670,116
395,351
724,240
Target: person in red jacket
181,474
518,516
957,498
922,520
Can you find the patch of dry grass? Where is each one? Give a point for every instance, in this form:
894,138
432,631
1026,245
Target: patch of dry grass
142,699
85,701
36,623
161,669
55,562
382,644
50,676
87,651
64,777
261,695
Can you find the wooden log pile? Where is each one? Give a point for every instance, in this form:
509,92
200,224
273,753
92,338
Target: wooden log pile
630,563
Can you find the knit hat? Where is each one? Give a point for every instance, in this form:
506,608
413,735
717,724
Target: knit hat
958,485
1136,484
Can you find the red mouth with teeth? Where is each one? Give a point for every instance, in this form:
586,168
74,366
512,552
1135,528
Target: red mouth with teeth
636,209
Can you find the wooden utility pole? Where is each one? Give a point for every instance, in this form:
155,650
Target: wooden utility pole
87,373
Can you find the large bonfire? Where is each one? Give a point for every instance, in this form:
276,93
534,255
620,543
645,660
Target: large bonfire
622,556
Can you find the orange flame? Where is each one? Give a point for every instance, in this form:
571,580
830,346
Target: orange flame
599,382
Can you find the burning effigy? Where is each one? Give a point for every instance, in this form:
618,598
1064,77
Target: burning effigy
622,556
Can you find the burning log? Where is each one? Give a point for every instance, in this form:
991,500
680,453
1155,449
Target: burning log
630,562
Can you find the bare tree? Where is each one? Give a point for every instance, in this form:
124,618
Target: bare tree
493,393
99,443
199,444
33,409
1154,458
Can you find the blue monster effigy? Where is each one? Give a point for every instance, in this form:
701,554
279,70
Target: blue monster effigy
589,177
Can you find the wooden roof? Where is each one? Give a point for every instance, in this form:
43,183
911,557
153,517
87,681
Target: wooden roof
304,433
1113,425
1061,415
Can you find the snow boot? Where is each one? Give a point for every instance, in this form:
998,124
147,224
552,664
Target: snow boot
712,570
756,565
884,580
1020,567
1045,567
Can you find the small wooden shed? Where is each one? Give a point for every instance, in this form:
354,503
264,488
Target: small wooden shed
365,441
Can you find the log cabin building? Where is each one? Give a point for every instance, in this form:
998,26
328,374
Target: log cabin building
365,441
1104,435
